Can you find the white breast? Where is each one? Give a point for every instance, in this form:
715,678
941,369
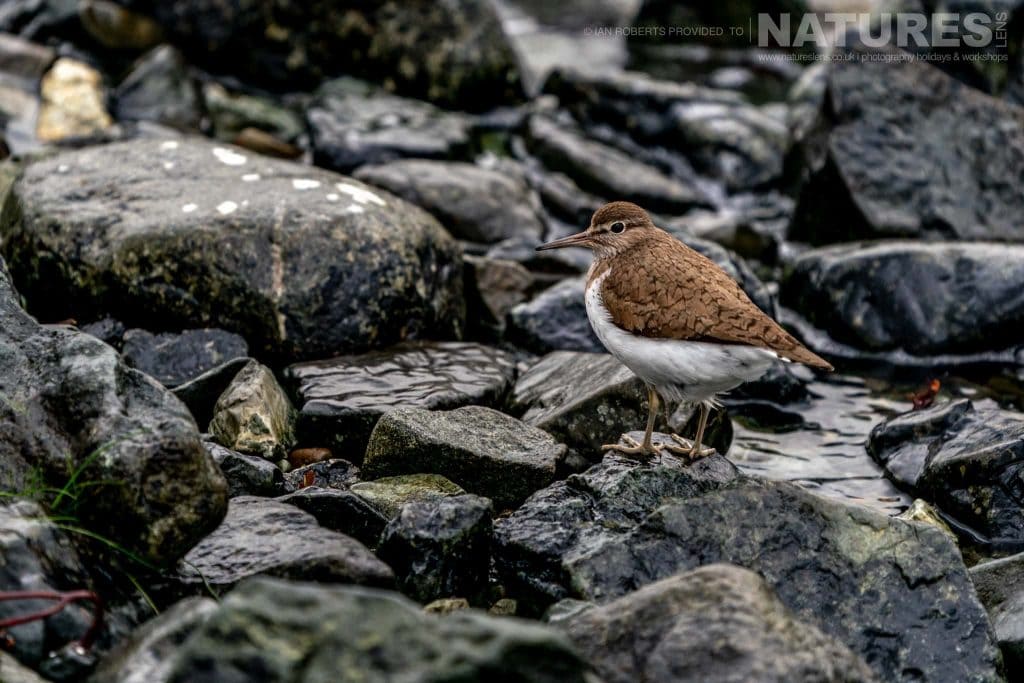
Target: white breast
680,370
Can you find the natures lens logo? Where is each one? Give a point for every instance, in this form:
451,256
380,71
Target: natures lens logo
903,29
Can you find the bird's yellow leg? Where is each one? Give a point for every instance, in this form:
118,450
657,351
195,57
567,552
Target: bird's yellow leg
647,448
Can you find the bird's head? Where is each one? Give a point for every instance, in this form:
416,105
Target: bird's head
614,228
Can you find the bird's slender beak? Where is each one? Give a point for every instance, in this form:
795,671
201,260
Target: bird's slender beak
580,239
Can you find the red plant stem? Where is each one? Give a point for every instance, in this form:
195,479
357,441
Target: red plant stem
62,601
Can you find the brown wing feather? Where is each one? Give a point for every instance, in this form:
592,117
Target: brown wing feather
665,289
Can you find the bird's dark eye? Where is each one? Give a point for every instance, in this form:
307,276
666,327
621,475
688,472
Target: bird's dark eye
618,226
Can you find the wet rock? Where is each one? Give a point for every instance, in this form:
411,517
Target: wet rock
963,458
352,124
342,398
285,631
440,547
895,593
231,113
340,510
399,45
715,623
14,672
926,513
584,400
492,288
117,28
201,394
107,330
717,131
148,654
473,203
300,457
72,102
940,297
480,449
176,358
70,407
266,537
247,475
945,180
390,494
159,88
23,59
39,20
1000,586
299,261
254,415
331,474
607,171
37,556
556,319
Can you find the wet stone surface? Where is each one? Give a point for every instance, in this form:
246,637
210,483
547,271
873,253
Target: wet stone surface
341,399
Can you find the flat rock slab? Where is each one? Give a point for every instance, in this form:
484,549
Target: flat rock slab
946,179
176,358
186,233
69,406
247,475
340,510
716,624
341,399
940,297
480,449
896,593
267,537
275,631
390,494
964,458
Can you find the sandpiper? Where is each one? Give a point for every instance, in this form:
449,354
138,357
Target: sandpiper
674,318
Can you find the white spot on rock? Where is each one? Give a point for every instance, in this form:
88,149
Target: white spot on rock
168,165
226,156
251,177
354,208
63,168
224,208
332,197
305,184
359,194
169,144
189,208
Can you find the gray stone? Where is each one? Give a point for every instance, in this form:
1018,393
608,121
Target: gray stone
390,494
254,415
939,297
107,330
480,449
472,67
341,399
299,261
276,631
200,394
717,623
232,112
1000,586
965,459
148,654
340,510
260,536
947,179
352,124
159,88
176,358
554,320
247,475
493,287
70,408
607,171
440,548
474,203
896,593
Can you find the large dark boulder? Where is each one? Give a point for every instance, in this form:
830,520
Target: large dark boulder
954,174
452,53
72,413
272,631
966,459
896,593
923,298
176,234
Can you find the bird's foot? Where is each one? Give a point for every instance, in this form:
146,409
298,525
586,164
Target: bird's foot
688,448
633,447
